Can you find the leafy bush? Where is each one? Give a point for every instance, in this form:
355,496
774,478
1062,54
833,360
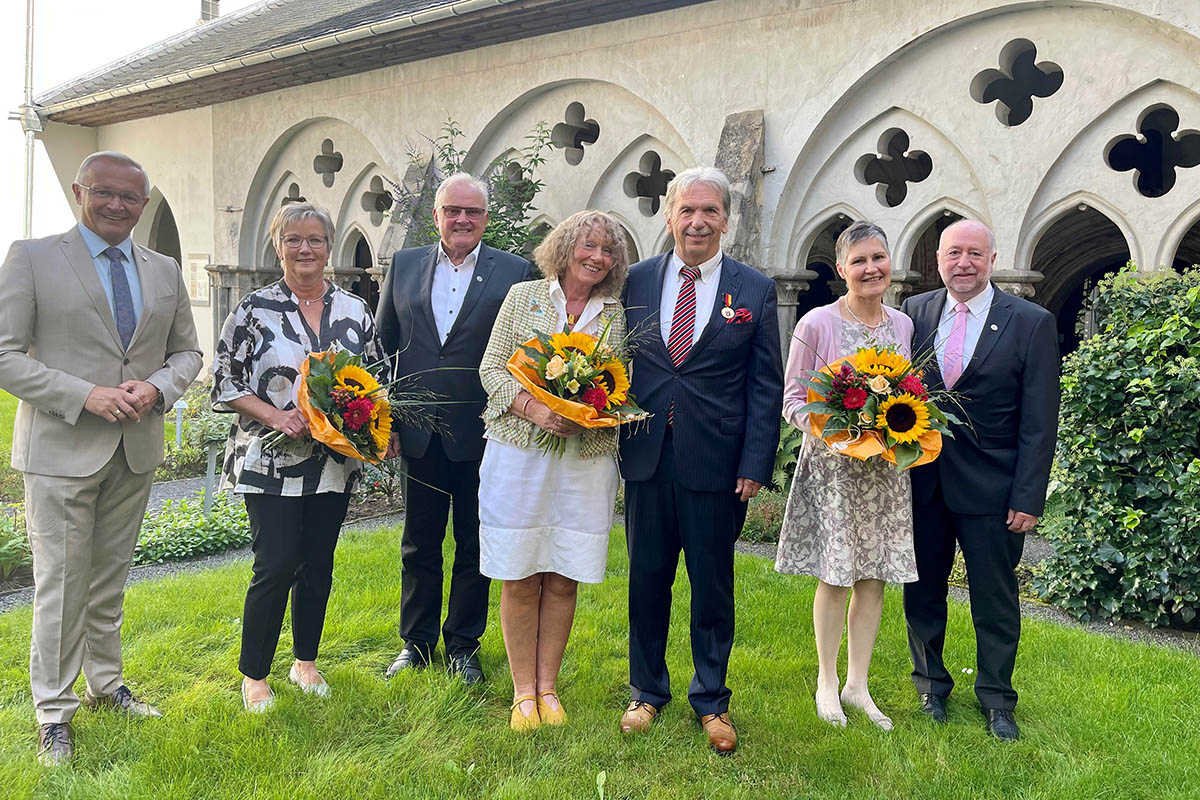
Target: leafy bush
764,517
381,480
180,529
14,546
201,425
511,188
786,455
1124,515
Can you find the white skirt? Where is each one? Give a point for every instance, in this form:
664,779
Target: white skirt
544,513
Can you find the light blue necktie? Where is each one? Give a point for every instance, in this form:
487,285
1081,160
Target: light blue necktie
122,298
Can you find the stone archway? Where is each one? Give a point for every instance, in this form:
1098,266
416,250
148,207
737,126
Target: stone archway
923,262
822,260
1187,254
1078,249
357,257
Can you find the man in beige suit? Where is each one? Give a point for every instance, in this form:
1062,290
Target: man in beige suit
96,339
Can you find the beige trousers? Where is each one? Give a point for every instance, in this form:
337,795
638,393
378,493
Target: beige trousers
82,532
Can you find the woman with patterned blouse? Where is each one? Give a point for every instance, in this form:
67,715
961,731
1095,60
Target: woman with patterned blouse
544,519
296,497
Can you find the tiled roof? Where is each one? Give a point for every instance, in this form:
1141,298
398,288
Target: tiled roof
227,58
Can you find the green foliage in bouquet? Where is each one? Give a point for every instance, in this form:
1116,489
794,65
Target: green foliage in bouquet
1125,500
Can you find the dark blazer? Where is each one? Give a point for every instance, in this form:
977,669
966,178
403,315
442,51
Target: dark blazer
1010,394
407,329
728,391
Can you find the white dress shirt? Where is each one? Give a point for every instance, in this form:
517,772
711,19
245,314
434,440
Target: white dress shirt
450,284
706,294
977,312
587,317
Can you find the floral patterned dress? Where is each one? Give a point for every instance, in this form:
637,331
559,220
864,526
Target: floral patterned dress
848,520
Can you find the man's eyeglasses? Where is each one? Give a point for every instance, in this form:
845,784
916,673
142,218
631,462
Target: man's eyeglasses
293,242
106,195
472,213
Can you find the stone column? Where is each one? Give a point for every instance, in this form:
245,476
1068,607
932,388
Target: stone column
789,289
740,156
228,284
1017,282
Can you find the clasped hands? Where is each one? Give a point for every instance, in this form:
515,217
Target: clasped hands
530,408
130,401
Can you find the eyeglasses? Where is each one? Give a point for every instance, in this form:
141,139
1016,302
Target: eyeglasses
106,195
293,242
472,213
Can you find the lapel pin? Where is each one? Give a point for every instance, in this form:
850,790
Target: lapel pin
727,311
479,277
994,327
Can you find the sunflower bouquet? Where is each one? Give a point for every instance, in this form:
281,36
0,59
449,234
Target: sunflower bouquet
346,406
874,403
579,376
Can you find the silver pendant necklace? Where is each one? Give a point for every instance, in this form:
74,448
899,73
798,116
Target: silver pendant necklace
868,325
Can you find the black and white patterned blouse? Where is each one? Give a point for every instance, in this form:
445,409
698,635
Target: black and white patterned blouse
263,343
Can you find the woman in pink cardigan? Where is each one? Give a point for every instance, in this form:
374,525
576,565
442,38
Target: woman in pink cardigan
848,522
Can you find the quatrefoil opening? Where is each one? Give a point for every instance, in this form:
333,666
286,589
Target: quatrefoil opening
327,163
293,196
1156,152
574,132
649,183
1020,79
893,168
377,200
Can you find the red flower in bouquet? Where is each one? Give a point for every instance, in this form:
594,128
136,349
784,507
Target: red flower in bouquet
595,397
912,384
358,413
854,397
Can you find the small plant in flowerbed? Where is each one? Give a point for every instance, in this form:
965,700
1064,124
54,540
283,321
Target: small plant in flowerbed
1124,513
181,530
379,490
14,545
201,425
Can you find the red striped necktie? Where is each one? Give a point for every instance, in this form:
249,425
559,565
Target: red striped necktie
683,323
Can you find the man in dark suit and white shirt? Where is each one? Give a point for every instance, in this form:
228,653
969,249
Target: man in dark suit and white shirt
436,309
988,488
710,371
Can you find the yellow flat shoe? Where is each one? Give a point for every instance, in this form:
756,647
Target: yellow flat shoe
518,721
550,716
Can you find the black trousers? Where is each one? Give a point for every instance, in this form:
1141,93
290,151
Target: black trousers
426,511
294,539
991,553
663,517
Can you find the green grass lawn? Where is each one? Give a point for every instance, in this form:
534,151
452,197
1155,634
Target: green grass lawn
12,488
1101,718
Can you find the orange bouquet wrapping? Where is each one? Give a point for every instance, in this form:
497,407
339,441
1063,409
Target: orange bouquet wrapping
873,404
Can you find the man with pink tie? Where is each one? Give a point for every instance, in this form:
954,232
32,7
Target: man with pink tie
999,353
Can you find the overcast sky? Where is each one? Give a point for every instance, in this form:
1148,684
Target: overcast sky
71,37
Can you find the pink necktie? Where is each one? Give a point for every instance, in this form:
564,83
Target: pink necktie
953,366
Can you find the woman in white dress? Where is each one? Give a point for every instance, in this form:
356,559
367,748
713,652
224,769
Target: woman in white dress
544,519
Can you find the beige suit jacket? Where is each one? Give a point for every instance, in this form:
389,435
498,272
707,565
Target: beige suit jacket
59,340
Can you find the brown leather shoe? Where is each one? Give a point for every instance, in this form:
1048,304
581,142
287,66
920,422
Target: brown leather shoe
722,738
56,745
638,717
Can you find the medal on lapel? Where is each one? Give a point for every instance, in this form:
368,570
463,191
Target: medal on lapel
727,311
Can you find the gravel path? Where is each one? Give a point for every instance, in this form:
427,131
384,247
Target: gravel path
173,490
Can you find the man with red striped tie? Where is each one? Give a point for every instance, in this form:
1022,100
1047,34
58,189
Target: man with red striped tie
709,370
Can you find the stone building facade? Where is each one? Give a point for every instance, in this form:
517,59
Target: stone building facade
1068,126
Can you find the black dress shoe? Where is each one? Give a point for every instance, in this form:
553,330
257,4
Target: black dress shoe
414,657
1000,723
934,706
56,745
467,668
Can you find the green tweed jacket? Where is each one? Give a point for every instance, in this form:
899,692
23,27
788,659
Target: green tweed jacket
526,307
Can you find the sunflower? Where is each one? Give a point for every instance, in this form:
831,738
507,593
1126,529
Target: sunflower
567,344
381,425
355,379
903,417
870,361
615,380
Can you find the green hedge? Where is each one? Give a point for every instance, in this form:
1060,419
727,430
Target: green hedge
1125,498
